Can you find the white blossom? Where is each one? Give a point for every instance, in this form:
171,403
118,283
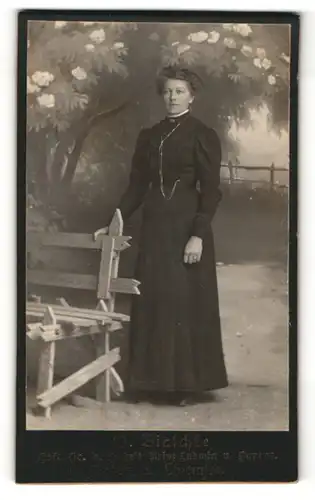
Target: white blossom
175,43
46,100
98,36
79,73
42,78
118,45
60,24
31,88
246,50
198,37
271,80
213,37
227,26
182,48
88,23
242,29
154,37
285,58
261,53
89,47
230,43
257,62
266,63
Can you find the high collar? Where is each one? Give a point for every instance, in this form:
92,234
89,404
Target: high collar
176,118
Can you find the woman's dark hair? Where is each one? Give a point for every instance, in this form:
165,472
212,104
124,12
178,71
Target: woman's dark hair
178,73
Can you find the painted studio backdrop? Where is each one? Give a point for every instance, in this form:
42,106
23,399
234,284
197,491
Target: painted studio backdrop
90,89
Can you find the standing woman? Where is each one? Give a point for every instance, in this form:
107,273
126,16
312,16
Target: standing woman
175,334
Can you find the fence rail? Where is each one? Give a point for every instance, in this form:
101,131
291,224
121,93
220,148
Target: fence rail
272,169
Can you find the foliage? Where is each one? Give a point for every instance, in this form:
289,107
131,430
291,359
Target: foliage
89,90
67,61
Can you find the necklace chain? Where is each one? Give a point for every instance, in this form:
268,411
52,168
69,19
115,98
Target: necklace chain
161,165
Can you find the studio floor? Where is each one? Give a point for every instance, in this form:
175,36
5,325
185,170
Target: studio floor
254,312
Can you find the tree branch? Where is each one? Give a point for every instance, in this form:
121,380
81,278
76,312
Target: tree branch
74,156
94,120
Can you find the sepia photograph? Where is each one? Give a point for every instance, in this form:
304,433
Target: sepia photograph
157,224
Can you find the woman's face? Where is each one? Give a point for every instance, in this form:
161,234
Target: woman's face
177,96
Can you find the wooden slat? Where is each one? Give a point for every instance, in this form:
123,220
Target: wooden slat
77,312
116,228
124,285
33,334
34,331
103,381
62,302
79,378
63,280
73,240
47,362
105,268
69,320
61,239
103,384
35,298
33,326
78,332
50,336
116,383
81,281
37,333
101,306
51,333
57,332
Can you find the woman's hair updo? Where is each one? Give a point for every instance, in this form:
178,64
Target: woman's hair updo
178,73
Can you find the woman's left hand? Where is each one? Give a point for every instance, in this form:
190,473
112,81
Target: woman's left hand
193,250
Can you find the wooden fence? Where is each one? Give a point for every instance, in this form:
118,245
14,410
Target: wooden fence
234,178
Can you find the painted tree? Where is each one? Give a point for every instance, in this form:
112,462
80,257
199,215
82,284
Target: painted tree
83,76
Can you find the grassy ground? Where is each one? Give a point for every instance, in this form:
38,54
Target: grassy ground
251,253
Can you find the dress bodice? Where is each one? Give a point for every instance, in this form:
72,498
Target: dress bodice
184,150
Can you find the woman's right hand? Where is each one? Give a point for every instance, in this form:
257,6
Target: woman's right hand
100,232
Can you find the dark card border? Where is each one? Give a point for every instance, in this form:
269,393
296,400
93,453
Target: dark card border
126,456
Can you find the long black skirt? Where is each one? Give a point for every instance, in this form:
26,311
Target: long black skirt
175,334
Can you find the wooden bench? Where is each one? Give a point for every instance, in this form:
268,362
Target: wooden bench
50,323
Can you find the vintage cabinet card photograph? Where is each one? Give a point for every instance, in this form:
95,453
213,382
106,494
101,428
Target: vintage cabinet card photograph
157,161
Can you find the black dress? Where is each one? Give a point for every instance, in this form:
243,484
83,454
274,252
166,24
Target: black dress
175,333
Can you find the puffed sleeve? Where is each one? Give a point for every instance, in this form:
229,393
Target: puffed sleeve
208,163
139,177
